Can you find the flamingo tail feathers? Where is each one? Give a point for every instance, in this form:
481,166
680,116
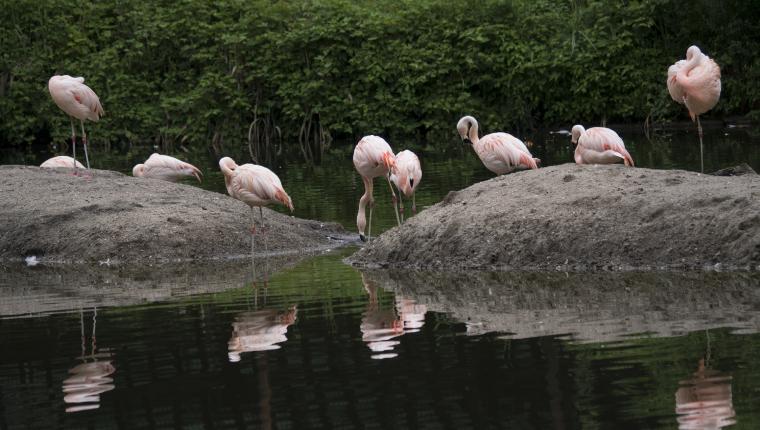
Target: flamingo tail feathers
283,197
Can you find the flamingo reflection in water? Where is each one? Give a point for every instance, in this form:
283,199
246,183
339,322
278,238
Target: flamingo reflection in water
381,327
260,330
89,379
704,401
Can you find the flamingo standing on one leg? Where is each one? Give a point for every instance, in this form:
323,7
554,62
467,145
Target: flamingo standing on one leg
62,161
78,101
253,185
166,168
406,175
373,157
500,152
599,145
696,84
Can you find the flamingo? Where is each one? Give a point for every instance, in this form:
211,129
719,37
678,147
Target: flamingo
253,185
599,145
500,152
62,161
695,83
373,157
406,175
166,168
78,101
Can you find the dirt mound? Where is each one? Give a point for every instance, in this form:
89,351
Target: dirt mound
589,217
56,216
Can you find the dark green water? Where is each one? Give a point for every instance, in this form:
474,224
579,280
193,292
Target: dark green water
317,344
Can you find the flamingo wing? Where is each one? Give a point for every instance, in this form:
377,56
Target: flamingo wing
61,161
259,186
87,98
674,87
373,157
508,150
600,139
169,168
407,172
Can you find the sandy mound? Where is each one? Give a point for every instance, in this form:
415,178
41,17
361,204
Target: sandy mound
52,214
572,217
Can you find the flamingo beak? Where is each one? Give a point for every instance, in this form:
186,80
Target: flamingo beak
362,237
467,141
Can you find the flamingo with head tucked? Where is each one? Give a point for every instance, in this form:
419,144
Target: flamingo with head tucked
78,101
695,83
406,174
166,168
599,145
62,161
373,157
254,185
500,152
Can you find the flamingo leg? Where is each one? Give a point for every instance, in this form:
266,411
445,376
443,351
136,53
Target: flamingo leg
701,151
401,206
414,204
263,232
253,233
84,144
74,146
395,201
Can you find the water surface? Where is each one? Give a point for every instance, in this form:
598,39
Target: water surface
320,345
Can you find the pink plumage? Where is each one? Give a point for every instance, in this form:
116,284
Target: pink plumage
501,153
695,82
373,157
599,145
75,98
166,168
253,185
407,173
62,161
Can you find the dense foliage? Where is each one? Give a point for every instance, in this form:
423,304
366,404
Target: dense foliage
257,73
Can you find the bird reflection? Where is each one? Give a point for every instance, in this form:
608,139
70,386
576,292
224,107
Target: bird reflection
260,330
88,379
704,401
380,327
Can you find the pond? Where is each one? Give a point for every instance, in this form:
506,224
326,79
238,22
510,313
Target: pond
314,343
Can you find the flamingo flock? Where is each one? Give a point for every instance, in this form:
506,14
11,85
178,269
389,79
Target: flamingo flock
693,82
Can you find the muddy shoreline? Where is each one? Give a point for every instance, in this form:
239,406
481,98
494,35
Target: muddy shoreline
582,218
112,218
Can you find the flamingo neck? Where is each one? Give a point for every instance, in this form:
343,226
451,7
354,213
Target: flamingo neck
472,134
691,63
361,218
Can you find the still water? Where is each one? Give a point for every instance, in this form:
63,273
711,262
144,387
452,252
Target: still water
314,343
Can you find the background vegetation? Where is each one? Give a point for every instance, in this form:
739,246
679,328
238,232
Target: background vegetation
256,73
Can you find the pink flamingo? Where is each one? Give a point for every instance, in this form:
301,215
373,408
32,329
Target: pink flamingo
500,152
373,157
599,145
166,168
406,175
62,161
253,185
78,101
696,84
